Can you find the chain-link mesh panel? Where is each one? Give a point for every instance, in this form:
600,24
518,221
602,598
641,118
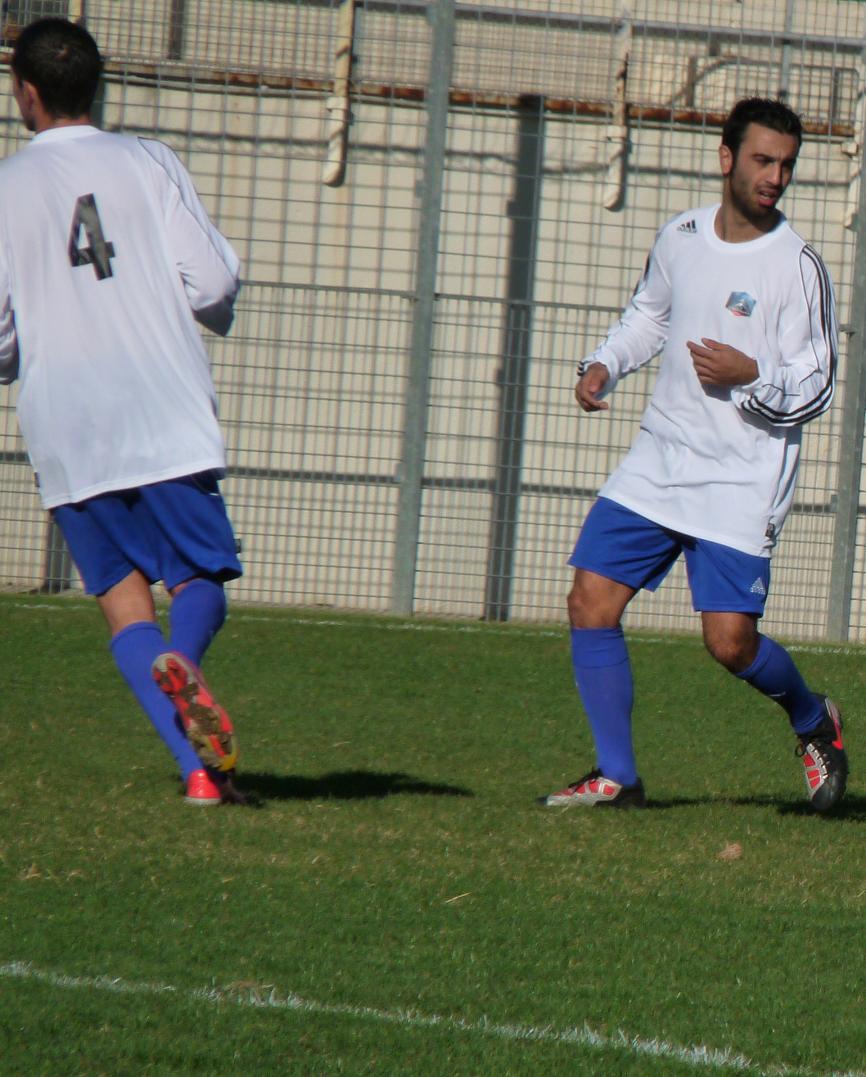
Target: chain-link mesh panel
573,132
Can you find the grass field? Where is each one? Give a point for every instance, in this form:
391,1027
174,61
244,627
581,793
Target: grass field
395,903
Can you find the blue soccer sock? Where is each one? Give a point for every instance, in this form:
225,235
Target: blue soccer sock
602,672
195,617
134,649
774,674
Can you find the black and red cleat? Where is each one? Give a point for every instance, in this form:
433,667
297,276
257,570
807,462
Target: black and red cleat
824,759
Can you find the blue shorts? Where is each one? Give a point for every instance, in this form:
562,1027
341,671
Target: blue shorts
624,546
170,531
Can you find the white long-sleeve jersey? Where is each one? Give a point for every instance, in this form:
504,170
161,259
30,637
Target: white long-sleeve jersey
107,259
710,462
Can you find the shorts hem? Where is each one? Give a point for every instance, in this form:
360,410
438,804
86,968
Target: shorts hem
651,585
728,607
198,572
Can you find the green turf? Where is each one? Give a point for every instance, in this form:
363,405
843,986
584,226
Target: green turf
396,903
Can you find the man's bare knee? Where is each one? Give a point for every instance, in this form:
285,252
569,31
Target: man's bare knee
731,639
127,602
727,653
595,601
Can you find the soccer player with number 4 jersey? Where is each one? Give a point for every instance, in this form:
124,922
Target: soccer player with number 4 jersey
107,261
742,311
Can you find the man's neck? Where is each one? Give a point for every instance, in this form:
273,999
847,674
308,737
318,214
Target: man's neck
732,227
49,123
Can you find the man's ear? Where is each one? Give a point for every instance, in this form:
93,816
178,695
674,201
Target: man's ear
29,103
24,91
726,159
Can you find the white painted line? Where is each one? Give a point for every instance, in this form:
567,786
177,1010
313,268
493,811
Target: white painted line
527,631
267,997
236,614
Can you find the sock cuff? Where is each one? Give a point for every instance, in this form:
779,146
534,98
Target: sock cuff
201,597
136,626
766,647
197,582
597,647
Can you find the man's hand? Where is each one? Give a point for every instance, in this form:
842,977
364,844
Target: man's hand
720,364
589,385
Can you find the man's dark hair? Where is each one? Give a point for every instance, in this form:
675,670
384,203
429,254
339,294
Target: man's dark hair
61,60
763,111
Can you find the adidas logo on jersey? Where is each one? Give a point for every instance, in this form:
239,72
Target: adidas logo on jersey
689,227
758,587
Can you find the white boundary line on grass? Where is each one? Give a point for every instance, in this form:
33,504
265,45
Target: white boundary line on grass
267,998
420,626
423,626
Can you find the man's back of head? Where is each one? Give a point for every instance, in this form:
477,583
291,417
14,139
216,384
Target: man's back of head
61,61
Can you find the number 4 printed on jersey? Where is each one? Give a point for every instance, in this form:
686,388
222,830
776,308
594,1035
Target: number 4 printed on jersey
98,251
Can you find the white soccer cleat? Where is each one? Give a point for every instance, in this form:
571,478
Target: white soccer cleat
593,790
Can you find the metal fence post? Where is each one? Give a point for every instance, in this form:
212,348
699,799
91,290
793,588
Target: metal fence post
176,29
516,359
57,569
411,473
847,498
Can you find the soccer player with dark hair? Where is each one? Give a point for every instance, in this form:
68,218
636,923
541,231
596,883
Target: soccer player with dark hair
742,311
107,260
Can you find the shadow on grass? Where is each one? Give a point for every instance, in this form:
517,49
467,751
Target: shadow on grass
852,808
342,785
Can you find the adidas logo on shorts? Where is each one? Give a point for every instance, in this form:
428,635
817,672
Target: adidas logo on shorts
758,587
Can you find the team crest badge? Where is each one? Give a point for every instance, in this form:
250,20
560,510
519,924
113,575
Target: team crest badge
741,304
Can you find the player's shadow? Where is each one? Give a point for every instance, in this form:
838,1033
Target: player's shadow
760,801
342,785
852,808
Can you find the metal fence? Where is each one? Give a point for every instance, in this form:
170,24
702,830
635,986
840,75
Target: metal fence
440,209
